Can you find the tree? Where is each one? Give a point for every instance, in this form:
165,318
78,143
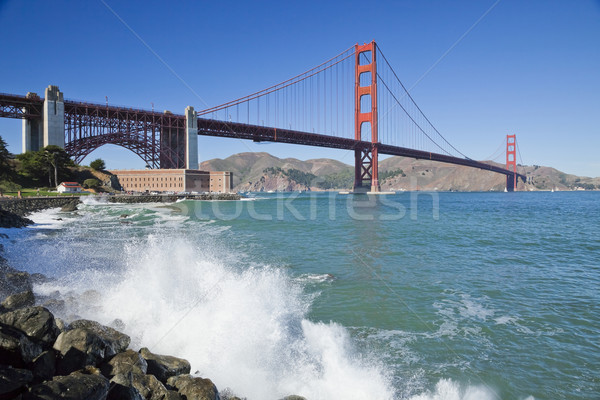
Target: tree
91,183
4,157
98,164
48,162
56,159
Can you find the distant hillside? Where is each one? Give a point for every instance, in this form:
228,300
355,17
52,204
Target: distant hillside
264,172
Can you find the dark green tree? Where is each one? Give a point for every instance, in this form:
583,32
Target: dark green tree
52,162
98,164
5,169
91,183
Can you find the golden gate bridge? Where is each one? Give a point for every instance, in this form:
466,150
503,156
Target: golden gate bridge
353,101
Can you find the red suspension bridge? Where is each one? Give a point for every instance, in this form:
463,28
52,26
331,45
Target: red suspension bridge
354,101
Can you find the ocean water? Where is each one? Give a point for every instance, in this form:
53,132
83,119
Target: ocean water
411,296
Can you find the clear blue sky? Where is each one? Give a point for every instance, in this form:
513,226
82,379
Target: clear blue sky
528,67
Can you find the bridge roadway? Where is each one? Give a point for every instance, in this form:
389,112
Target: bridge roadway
210,127
15,106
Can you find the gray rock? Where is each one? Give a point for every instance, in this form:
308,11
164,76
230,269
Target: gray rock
87,343
121,388
13,282
16,348
164,367
44,366
37,278
76,386
149,387
60,324
55,305
194,388
70,207
13,381
294,397
78,348
19,300
115,340
36,322
124,363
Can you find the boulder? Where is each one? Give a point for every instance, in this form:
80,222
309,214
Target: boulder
70,207
76,386
194,388
16,348
115,340
60,324
121,389
122,392
149,387
87,343
36,322
164,367
38,279
294,397
13,281
124,363
13,381
19,300
44,366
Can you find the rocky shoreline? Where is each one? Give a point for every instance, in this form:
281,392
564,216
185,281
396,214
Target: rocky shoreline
13,212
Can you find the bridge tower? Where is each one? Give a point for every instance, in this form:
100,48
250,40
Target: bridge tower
511,162
49,129
365,159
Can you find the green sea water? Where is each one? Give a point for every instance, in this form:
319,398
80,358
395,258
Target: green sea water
409,296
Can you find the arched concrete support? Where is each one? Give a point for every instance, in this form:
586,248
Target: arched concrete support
191,138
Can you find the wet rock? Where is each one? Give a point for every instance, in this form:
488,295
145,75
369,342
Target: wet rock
164,367
16,348
55,305
70,207
124,363
118,324
193,388
44,366
13,281
149,387
38,279
19,300
228,394
13,381
87,343
36,322
12,220
116,341
60,324
123,392
76,386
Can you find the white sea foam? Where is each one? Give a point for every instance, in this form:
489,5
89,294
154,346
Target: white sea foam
245,328
51,218
446,389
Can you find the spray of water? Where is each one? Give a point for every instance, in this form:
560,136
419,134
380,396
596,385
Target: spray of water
243,327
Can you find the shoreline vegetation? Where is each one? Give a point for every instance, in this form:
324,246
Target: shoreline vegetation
45,357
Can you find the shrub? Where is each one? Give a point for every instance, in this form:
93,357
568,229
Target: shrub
91,183
98,164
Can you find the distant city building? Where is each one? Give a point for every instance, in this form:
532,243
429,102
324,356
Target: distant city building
174,180
69,187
